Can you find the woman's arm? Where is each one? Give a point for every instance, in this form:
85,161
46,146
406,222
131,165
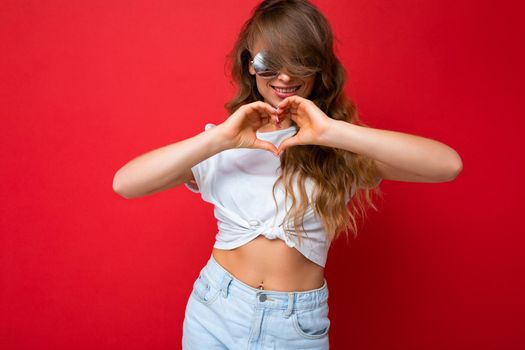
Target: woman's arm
171,165
167,166
399,156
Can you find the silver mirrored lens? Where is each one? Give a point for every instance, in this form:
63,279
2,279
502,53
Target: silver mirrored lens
260,66
263,71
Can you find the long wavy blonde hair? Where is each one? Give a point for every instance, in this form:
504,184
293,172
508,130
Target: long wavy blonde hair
299,37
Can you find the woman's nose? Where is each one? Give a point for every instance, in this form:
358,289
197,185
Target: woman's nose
283,76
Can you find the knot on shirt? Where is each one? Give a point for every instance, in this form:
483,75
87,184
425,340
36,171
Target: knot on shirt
271,232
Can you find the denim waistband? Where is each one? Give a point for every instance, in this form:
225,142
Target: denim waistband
290,301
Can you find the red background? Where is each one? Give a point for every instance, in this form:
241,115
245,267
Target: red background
86,86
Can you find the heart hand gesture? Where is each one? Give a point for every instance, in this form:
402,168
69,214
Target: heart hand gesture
239,130
311,121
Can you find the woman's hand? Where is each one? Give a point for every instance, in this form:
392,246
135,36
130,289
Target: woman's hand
240,128
311,121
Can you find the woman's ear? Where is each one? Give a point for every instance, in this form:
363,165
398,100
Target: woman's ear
251,69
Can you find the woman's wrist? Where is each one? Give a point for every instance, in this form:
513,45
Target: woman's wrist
330,133
220,141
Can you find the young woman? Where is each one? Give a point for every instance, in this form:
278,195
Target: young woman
289,170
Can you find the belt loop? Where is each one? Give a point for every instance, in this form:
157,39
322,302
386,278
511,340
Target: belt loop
225,284
290,304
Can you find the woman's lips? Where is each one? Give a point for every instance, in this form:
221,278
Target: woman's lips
285,94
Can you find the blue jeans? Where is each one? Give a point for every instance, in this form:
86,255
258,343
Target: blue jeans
226,313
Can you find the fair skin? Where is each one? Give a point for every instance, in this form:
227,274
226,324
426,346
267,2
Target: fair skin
264,86
399,156
282,80
260,262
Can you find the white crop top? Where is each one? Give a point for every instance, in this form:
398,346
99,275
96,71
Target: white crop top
238,182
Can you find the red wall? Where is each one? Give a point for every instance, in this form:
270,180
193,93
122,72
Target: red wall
85,86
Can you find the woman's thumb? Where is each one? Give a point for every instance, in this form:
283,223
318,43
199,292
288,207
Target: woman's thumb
292,141
266,146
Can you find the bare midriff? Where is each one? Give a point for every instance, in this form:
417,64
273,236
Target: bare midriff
270,264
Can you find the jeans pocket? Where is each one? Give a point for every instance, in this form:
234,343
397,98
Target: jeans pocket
313,323
205,291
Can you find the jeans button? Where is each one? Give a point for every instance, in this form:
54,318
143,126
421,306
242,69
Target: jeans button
262,297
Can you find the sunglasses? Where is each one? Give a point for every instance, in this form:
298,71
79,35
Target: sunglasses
262,70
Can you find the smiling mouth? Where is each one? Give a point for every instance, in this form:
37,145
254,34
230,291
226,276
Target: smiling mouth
286,90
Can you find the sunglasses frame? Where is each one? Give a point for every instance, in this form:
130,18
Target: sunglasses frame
258,65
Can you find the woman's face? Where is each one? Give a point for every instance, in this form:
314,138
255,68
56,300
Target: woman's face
267,87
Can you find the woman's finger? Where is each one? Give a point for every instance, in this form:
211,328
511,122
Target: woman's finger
264,111
289,101
292,141
266,146
264,107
